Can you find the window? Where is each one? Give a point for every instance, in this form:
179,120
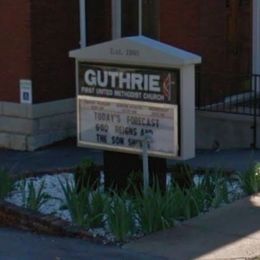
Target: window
98,21
130,18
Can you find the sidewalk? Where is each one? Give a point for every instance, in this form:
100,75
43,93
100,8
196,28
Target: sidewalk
66,155
58,156
230,232
20,245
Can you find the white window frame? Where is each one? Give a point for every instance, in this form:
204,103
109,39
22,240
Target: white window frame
117,18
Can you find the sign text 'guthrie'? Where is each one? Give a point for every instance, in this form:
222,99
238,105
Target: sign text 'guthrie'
142,84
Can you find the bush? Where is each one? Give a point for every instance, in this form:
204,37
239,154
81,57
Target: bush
214,184
154,209
250,180
120,217
182,175
32,198
87,175
85,206
6,183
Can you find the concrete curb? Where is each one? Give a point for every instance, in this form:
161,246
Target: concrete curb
25,219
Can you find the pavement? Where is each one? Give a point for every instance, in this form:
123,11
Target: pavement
230,232
65,155
19,245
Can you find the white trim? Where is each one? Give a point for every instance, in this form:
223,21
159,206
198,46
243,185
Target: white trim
83,27
256,37
116,19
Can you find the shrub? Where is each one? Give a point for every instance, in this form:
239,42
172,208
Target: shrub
135,182
154,209
6,183
120,217
86,208
87,174
214,184
96,208
32,198
250,180
182,175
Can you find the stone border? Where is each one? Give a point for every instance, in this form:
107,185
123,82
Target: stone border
25,219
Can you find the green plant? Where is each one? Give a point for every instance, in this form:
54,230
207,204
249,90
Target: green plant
120,217
220,194
250,180
154,209
96,208
195,202
87,174
184,204
178,202
76,202
182,175
32,198
6,183
86,208
135,182
214,184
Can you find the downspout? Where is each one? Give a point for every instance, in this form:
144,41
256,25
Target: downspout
116,19
256,37
83,23
140,17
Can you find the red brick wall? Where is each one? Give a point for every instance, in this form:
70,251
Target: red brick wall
14,47
55,31
201,26
179,23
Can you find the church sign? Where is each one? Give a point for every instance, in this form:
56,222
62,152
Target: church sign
119,105
135,89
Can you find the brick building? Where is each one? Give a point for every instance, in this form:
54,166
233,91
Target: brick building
35,37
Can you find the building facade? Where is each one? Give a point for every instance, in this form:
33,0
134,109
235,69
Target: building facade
37,89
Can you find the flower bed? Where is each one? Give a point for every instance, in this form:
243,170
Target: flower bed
53,204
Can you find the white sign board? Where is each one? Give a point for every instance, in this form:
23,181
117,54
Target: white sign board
120,125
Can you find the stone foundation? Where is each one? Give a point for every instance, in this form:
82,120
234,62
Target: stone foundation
28,127
224,130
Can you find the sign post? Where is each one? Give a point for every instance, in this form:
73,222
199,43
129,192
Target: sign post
146,141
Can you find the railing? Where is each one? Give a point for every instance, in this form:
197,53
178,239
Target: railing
228,94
